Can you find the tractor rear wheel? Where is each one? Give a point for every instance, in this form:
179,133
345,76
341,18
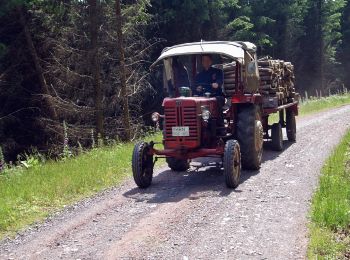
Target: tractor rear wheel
291,126
178,165
250,135
232,164
142,165
277,137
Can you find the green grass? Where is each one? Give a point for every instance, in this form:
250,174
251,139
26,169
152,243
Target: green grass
29,195
313,105
330,210
316,105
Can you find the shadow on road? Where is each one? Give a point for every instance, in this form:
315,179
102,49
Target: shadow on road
169,186
269,154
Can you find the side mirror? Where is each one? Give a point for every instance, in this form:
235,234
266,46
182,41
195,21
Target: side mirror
251,68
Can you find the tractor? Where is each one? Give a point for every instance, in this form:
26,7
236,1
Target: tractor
191,124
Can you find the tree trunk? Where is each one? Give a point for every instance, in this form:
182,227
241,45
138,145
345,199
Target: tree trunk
122,72
95,66
286,38
320,25
44,88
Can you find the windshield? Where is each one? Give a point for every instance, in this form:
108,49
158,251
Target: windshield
191,71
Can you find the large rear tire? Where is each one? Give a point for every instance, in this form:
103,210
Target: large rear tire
277,137
291,126
232,164
250,135
178,165
142,165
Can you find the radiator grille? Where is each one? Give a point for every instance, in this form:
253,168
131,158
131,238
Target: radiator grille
181,116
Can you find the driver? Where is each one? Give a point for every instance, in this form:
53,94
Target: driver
209,79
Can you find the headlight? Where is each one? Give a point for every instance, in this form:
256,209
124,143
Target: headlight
155,117
205,113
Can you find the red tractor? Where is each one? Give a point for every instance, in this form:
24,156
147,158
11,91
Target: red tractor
191,127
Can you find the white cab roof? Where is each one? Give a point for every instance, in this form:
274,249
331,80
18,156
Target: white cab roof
234,50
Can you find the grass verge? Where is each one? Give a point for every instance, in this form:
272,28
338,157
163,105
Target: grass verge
330,209
316,105
29,195
313,105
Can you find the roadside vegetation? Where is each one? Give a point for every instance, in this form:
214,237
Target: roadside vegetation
330,210
312,105
33,188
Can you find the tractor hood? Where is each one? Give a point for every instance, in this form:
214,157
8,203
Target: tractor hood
233,50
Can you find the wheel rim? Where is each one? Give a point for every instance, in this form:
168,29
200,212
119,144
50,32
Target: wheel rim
294,126
291,126
146,169
236,165
259,138
280,136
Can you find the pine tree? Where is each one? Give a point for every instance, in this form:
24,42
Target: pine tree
344,50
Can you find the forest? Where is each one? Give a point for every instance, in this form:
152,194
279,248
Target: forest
74,73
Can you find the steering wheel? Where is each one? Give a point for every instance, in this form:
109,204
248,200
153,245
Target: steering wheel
205,87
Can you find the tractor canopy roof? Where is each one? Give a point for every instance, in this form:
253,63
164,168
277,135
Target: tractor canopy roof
233,50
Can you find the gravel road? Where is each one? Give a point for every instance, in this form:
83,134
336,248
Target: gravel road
192,215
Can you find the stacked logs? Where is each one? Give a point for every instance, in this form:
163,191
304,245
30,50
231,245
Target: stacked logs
276,79
229,78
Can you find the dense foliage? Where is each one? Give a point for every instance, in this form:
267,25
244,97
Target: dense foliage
57,56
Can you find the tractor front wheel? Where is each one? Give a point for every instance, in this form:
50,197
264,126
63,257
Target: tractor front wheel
232,164
178,165
142,165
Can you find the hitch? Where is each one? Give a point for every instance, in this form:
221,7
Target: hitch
155,160
198,165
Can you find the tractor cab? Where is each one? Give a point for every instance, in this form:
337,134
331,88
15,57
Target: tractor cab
182,63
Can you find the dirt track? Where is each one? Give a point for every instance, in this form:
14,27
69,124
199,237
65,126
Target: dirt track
192,215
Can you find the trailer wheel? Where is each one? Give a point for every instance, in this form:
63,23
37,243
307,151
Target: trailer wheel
250,135
277,137
142,165
232,164
178,165
291,126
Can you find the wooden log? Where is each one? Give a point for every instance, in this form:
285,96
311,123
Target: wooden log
229,86
229,66
230,92
266,87
266,78
264,74
262,70
230,81
231,75
264,63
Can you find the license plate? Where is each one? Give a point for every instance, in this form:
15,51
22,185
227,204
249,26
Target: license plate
181,131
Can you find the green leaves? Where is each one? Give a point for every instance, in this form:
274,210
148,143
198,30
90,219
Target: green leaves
8,5
242,23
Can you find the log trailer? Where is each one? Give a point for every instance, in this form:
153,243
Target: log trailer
253,89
